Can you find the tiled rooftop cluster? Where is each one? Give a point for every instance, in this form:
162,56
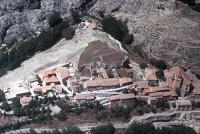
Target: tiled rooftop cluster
87,82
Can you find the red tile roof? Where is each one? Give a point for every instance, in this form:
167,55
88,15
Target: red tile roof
122,97
106,82
156,89
163,94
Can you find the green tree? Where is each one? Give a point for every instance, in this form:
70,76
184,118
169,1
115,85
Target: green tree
73,130
16,104
161,103
32,104
141,128
114,27
54,19
76,18
160,75
2,96
104,129
160,64
68,33
180,129
41,118
17,125
5,106
143,65
128,39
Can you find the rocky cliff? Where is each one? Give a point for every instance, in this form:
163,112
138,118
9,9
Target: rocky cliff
166,29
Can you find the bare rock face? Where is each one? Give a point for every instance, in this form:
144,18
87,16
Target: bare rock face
9,6
63,6
166,29
17,19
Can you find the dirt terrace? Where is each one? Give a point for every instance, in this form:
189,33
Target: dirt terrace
100,51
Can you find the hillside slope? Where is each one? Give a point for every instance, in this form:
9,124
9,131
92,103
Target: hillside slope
165,29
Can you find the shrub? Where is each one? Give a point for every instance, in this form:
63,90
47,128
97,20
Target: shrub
128,39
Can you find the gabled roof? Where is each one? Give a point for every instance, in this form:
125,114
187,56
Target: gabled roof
62,73
106,82
25,100
84,97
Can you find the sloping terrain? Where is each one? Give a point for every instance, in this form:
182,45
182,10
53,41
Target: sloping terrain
165,29
100,51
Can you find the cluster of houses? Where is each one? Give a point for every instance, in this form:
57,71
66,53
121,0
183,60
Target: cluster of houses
66,80
179,88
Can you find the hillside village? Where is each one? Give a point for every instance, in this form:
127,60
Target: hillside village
107,78
111,87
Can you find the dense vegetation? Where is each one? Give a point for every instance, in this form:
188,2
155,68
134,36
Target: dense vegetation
117,29
35,4
25,49
194,6
54,19
146,128
140,107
